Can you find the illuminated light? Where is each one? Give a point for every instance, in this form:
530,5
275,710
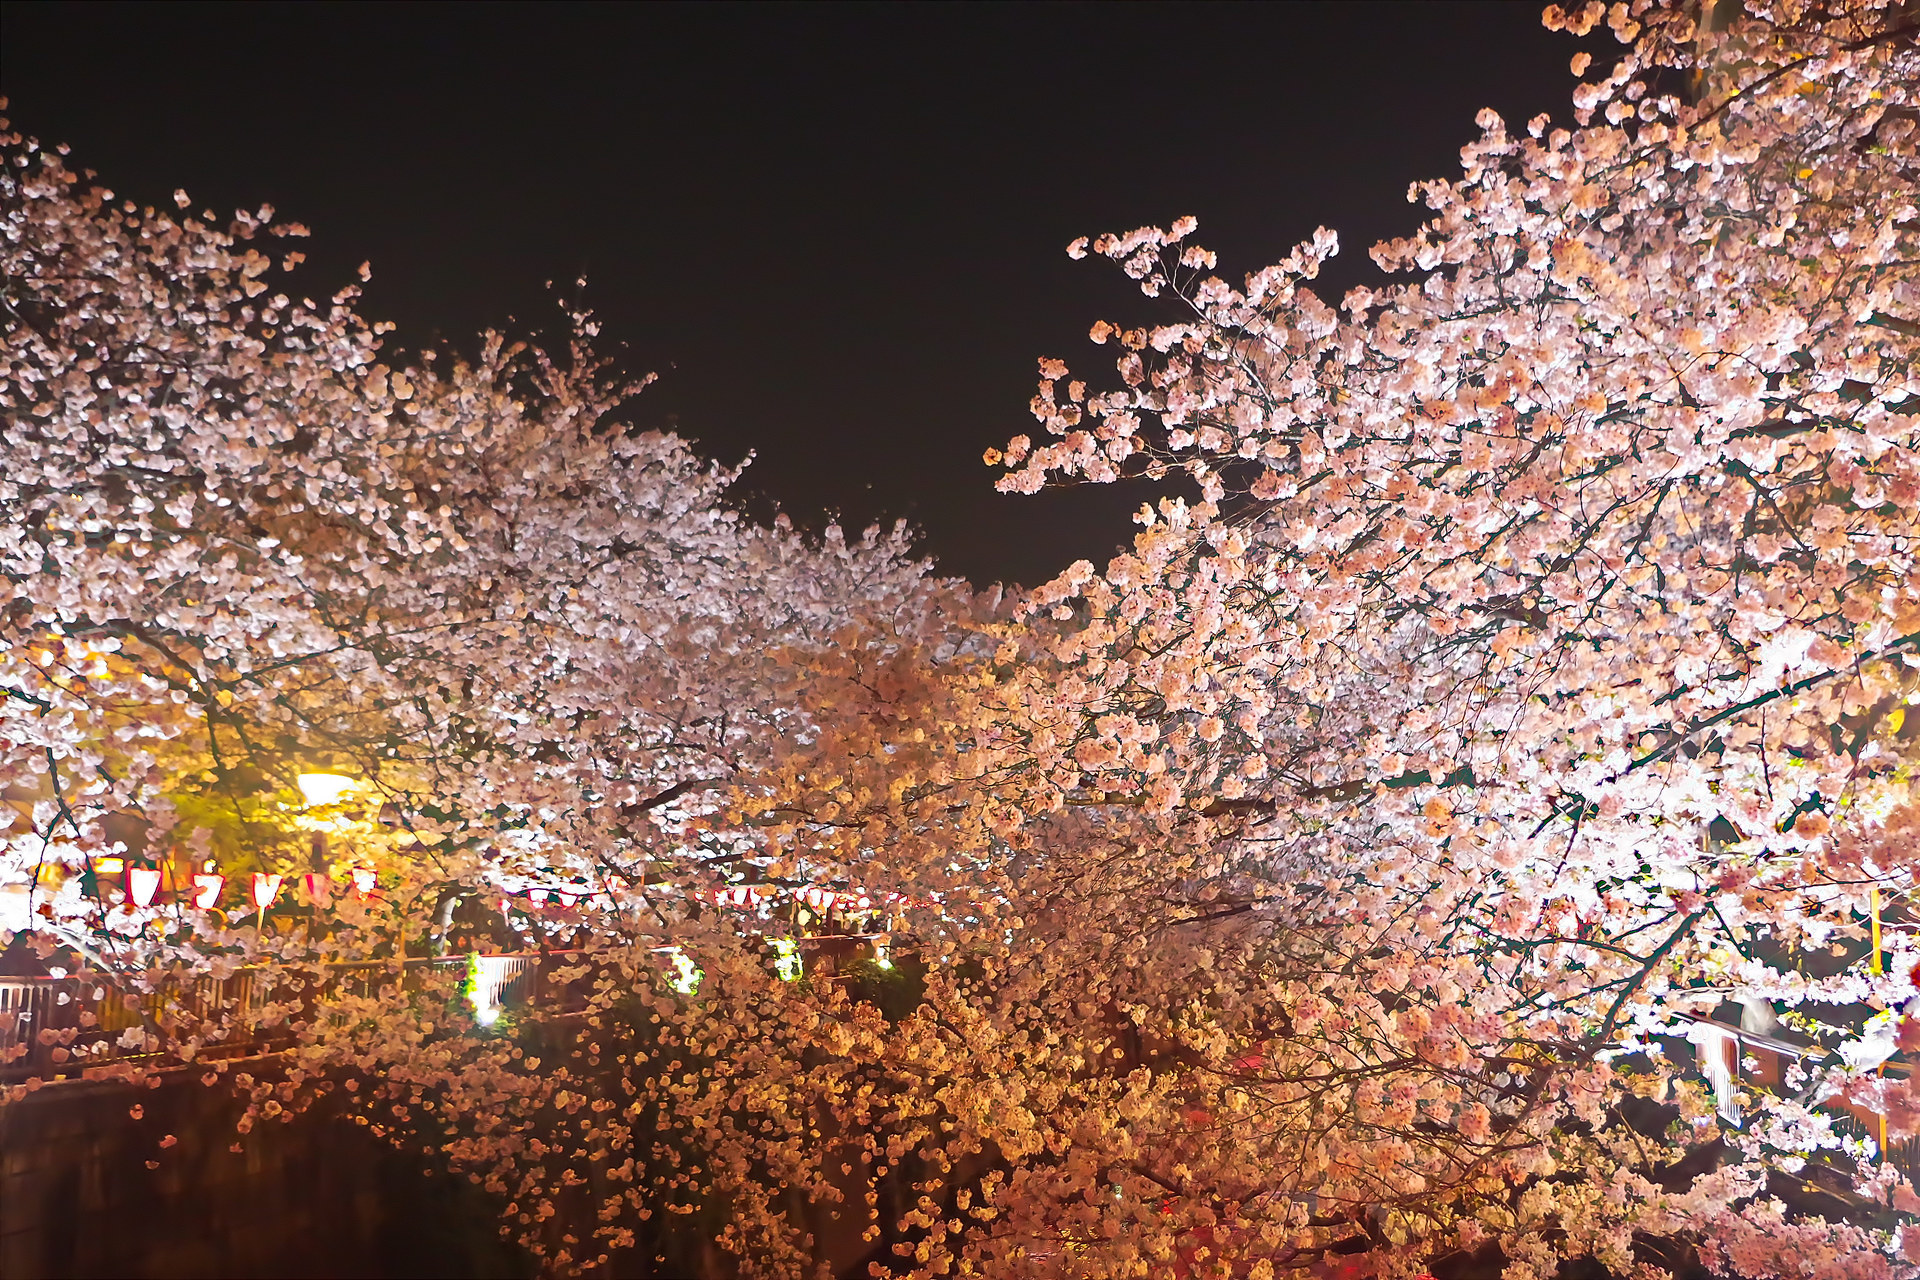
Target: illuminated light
882,957
538,895
319,889
686,974
265,889
566,899
142,884
109,866
363,880
206,889
486,977
324,788
787,964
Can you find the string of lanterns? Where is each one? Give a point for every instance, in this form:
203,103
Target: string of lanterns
816,897
144,885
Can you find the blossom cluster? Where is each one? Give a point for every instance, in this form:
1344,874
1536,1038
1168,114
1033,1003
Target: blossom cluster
1510,683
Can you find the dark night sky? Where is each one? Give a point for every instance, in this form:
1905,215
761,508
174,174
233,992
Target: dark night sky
836,232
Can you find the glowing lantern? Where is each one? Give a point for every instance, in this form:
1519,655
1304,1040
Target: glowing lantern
206,889
265,889
109,866
537,895
142,884
324,788
319,889
566,899
363,880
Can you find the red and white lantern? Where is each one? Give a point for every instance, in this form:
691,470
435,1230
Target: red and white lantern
206,889
142,884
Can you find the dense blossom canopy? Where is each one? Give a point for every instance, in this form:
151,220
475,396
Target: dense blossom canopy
1513,678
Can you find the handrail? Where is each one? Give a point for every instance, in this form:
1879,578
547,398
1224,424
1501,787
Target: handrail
55,1026
76,1023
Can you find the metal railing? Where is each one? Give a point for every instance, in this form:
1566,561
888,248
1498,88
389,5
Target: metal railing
61,1026
65,1026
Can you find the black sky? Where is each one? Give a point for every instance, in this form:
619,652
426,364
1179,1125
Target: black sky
836,232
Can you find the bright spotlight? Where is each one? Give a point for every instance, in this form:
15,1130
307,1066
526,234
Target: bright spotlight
324,788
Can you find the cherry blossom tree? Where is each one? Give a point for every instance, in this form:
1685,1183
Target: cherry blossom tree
537,651
1347,879
1510,680
1521,676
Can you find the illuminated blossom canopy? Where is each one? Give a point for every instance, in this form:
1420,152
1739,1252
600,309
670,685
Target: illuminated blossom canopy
1513,677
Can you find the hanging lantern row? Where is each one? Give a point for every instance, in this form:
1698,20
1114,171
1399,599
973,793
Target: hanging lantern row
741,895
540,897
823,899
817,897
143,885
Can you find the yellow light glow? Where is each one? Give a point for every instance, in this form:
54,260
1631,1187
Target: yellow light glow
324,788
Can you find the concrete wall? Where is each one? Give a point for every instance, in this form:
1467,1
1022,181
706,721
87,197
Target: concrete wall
311,1197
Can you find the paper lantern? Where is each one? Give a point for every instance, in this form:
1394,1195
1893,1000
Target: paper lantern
109,866
363,880
537,895
566,899
265,889
206,889
142,884
319,889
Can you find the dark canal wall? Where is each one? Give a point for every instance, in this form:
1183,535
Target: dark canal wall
310,1197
